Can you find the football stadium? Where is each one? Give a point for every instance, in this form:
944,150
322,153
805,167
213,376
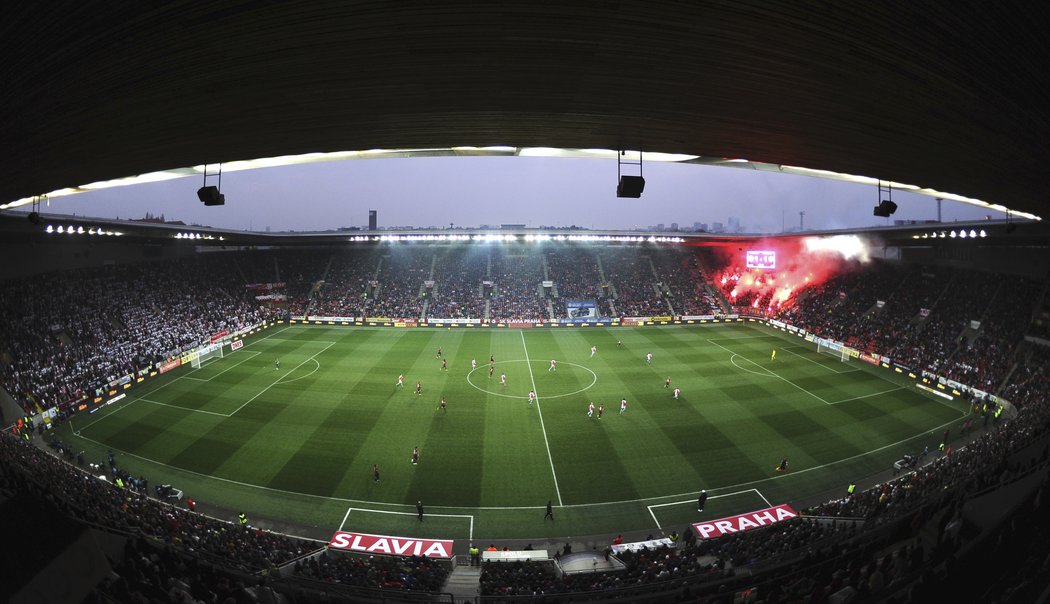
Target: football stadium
525,412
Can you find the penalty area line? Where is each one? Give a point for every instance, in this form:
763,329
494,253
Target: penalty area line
263,391
693,501
350,509
780,377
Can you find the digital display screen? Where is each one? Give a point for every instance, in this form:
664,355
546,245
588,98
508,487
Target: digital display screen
761,259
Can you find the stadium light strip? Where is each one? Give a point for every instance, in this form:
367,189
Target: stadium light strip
961,234
79,230
196,236
505,151
530,238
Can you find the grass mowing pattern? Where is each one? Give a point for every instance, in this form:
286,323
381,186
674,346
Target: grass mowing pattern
309,432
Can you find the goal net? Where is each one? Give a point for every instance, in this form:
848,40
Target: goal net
206,354
841,354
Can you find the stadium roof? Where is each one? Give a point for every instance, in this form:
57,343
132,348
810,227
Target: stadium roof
938,95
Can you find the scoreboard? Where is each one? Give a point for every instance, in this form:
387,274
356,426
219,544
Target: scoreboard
763,259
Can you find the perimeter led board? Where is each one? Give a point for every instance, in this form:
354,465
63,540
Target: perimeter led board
761,259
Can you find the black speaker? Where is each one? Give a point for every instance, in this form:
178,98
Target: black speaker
33,218
885,209
630,186
210,196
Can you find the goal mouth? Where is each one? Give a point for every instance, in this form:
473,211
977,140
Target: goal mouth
840,352
207,354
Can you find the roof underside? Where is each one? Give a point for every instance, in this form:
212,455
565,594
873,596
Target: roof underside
934,95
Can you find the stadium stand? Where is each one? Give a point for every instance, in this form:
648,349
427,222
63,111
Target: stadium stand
518,276
633,280
401,276
575,275
457,292
345,291
68,332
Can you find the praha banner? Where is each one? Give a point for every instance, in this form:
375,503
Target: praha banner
394,546
744,522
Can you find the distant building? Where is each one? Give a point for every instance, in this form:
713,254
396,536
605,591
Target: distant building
910,222
700,226
373,221
674,226
157,220
718,227
734,225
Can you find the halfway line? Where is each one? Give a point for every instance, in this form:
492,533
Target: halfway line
540,409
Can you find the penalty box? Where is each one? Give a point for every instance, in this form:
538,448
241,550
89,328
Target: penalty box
684,513
386,522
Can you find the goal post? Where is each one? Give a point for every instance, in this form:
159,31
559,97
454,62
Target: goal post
842,353
214,351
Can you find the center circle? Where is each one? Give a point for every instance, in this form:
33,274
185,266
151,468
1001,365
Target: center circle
532,379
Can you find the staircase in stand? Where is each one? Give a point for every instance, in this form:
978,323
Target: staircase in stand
463,583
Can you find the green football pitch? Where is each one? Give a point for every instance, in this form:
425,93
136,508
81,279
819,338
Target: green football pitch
298,444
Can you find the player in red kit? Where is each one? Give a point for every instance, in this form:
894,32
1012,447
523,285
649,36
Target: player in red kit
667,382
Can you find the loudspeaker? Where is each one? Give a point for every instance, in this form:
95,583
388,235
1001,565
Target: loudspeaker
210,196
630,186
33,218
885,209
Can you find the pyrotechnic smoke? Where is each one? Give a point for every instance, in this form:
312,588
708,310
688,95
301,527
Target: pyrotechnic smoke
801,263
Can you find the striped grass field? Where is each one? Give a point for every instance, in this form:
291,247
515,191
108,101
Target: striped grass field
297,444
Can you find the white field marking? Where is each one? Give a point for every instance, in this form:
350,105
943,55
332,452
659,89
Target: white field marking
528,363
302,341
857,398
693,501
152,402
763,497
772,374
594,380
166,384
878,374
251,352
772,335
735,356
261,392
345,516
471,516
821,365
317,366
532,507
